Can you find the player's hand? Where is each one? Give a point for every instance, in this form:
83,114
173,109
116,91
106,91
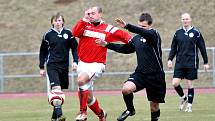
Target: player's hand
101,42
169,64
74,66
42,72
120,22
206,67
87,15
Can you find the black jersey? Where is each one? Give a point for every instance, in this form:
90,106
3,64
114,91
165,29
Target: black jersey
147,45
185,46
55,48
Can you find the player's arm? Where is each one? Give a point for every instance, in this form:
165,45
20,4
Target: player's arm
43,55
201,45
173,50
79,28
149,35
43,52
119,35
120,48
74,45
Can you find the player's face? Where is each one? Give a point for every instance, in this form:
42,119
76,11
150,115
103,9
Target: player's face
58,22
144,24
94,15
186,20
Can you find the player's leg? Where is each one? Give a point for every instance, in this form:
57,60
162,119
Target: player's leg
53,76
180,92
156,90
93,103
128,88
190,95
155,111
191,77
178,75
83,93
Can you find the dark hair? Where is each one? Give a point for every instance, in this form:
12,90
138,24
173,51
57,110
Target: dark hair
146,17
54,17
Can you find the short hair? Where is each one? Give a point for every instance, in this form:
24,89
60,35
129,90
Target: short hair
58,15
146,17
99,9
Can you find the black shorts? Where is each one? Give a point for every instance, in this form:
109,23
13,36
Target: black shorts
187,73
154,83
58,76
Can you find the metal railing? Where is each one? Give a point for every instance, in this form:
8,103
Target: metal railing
4,76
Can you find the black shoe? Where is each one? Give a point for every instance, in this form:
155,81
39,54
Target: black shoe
125,114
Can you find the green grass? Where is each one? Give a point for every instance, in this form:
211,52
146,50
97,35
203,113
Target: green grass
37,109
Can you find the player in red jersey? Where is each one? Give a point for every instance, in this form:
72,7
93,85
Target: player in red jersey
93,57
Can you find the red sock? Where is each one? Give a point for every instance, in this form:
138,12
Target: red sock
83,96
95,107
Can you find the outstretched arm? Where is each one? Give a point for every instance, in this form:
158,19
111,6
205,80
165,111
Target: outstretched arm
120,48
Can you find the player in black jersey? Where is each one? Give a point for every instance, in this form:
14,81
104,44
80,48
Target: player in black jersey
149,73
54,53
186,43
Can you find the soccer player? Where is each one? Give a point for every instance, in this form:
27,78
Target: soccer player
93,57
149,73
185,44
54,52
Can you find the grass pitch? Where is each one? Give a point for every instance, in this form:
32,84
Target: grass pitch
36,108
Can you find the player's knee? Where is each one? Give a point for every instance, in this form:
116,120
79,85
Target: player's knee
82,79
126,90
154,106
81,82
175,83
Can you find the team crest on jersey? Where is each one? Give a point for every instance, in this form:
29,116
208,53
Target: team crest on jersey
143,40
191,35
65,36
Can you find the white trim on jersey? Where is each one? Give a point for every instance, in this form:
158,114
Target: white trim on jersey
94,34
109,27
114,29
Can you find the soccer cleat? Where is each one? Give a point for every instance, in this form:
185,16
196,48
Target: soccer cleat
125,114
103,116
81,116
188,109
183,103
61,118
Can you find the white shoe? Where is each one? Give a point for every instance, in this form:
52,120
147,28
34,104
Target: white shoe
81,116
188,109
183,103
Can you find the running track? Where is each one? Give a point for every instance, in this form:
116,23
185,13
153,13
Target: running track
108,92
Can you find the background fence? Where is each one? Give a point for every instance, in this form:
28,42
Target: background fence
19,72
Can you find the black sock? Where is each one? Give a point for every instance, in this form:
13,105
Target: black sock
190,95
57,112
155,115
179,90
128,99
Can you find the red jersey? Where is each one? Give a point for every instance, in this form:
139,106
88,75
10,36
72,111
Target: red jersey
87,33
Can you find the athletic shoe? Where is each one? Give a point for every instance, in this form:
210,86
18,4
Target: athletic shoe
103,116
81,116
183,103
125,114
188,109
62,118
